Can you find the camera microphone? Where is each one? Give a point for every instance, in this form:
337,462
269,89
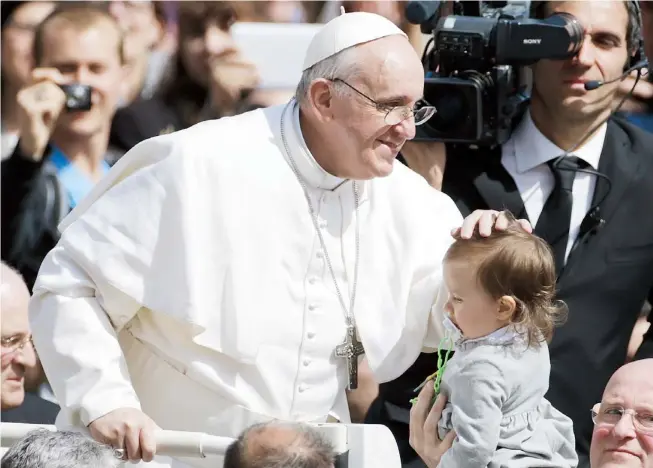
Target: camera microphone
424,13
419,12
590,225
596,84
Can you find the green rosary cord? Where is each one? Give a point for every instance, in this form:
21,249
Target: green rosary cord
445,343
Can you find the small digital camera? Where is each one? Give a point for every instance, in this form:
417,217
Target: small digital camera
78,97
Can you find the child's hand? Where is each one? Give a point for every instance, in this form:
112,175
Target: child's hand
423,428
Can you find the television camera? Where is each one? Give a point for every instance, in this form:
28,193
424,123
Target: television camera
475,68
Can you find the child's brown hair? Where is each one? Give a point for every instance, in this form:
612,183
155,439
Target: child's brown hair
515,263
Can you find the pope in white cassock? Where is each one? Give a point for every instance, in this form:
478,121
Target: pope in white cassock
223,275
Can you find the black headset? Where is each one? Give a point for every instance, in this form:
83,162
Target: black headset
636,34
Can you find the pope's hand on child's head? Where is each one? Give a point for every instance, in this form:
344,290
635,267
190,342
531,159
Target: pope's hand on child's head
486,221
424,427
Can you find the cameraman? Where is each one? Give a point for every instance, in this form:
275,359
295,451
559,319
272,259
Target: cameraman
61,154
609,275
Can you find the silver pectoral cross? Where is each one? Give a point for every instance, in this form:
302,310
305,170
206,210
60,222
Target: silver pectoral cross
350,349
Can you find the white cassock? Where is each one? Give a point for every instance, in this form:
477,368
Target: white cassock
199,253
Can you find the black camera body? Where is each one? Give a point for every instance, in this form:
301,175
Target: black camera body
78,97
475,70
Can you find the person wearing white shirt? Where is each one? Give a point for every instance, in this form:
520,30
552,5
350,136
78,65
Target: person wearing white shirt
233,272
535,180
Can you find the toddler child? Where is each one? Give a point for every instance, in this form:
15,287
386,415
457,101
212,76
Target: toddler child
501,313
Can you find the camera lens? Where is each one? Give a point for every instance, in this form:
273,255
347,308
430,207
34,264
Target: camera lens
452,110
574,29
452,106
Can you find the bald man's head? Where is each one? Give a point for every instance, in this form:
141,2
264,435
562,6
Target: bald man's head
280,444
634,373
17,351
625,442
12,283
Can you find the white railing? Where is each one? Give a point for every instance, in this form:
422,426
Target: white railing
168,443
368,446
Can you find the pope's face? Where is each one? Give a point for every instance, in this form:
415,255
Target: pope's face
392,76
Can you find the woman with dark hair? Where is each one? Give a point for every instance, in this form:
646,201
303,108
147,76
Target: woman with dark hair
209,78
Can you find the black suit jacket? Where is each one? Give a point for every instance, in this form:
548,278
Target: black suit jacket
143,119
605,282
148,118
33,410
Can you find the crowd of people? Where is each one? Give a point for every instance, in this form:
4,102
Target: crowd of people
183,249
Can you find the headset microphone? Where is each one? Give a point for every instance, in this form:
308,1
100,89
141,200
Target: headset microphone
595,84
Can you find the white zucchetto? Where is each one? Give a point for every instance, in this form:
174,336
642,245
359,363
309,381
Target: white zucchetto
345,31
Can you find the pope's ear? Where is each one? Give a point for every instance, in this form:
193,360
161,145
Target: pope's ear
321,97
507,305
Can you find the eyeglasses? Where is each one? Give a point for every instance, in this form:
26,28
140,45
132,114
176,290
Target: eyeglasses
11,344
394,115
611,415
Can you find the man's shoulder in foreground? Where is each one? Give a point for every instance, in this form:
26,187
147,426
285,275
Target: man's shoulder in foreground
241,133
194,157
258,125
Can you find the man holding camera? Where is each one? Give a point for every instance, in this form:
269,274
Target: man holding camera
600,229
64,120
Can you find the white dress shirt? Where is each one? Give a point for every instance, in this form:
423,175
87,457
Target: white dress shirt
8,143
525,156
199,253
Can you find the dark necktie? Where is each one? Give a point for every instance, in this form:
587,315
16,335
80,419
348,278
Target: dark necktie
553,223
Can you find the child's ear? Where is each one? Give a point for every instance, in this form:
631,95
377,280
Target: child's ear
507,306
